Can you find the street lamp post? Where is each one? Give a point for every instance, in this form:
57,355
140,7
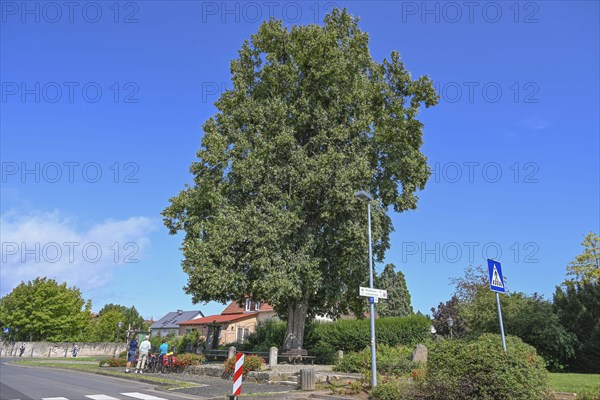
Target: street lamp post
363,195
450,322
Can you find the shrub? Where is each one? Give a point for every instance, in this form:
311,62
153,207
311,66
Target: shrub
187,359
395,389
589,394
251,363
112,362
390,361
268,334
480,369
354,335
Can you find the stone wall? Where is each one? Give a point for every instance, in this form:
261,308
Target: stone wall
48,349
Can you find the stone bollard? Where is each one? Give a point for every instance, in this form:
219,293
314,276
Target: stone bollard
340,354
420,354
307,379
231,352
273,354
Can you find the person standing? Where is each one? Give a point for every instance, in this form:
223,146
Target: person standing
163,350
145,347
131,354
21,349
75,350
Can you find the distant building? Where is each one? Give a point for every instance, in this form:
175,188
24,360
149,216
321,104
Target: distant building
170,322
234,324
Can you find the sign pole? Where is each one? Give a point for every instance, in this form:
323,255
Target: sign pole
497,285
501,324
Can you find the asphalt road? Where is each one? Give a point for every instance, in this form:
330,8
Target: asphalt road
35,383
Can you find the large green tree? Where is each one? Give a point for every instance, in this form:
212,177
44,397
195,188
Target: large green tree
311,119
42,309
398,301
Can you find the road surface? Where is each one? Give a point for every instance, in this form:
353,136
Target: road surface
34,383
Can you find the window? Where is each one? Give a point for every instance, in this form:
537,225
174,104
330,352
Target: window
242,334
251,305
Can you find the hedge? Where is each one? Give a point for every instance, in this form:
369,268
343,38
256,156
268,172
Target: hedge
355,335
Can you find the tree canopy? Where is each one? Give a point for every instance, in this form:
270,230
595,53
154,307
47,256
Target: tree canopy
42,309
311,119
586,266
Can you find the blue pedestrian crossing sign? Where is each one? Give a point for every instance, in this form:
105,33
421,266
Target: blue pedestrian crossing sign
496,278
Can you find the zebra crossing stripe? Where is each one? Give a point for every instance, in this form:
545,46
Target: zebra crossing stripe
142,396
100,397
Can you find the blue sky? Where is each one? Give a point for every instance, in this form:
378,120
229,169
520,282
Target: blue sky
101,115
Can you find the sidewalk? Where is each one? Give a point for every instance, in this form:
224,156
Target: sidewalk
215,387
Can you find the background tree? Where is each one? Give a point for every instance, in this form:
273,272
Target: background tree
578,308
398,301
311,119
106,327
577,304
42,309
586,266
131,318
449,309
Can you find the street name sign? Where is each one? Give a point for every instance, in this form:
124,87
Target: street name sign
369,292
496,278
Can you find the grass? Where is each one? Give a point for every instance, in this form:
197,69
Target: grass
575,383
78,365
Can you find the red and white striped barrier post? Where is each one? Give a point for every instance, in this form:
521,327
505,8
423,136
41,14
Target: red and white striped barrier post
237,375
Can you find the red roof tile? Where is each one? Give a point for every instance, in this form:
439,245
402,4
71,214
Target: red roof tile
219,318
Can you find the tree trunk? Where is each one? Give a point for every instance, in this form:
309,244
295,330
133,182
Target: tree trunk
294,331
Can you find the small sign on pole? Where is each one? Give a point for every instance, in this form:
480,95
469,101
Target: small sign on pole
497,285
237,375
370,292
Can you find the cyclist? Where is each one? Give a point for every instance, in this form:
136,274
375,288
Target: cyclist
163,350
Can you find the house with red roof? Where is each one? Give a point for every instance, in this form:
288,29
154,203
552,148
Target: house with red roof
234,324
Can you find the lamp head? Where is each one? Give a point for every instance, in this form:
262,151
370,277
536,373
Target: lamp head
363,195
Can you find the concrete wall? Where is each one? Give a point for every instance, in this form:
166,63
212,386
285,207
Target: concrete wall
47,349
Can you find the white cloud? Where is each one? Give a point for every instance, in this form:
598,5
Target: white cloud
51,244
535,124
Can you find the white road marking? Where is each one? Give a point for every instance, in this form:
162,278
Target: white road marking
54,398
142,396
101,397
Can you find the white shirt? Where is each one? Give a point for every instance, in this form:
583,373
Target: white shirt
145,346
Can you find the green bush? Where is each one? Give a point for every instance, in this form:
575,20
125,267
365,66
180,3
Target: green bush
354,335
390,361
112,362
479,369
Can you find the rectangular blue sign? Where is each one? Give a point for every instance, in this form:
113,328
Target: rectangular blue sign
496,278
